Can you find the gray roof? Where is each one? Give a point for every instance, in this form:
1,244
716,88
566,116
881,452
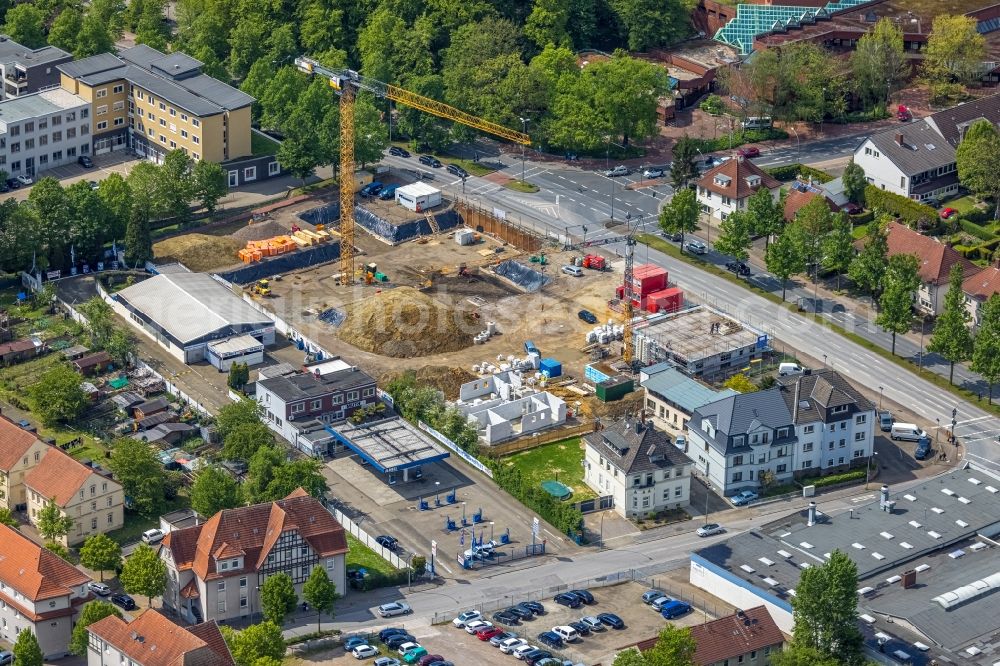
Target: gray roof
820,389
635,447
190,306
304,385
951,123
44,103
92,65
175,65
922,149
740,414
11,51
677,388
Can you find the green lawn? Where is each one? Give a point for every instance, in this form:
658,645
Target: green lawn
561,461
360,555
521,186
262,145
135,524
474,168
963,205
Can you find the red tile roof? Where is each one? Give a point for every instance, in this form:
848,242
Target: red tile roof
983,284
737,170
14,443
58,476
731,636
153,640
254,530
22,345
35,572
936,258
797,199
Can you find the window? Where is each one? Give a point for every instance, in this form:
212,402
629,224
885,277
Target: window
93,506
56,156
15,146
737,477
196,122
830,446
119,122
273,168
808,429
84,129
222,605
29,127
678,491
224,566
70,132
840,460
861,418
298,407
250,173
138,94
184,117
234,563
173,144
184,134
194,155
102,109
93,523
163,107
118,106
243,602
15,130
118,89
737,460
807,447
101,92
172,111
829,463
858,436
858,453
163,122
71,152
780,469
243,584
103,125
56,136
221,587
352,395
43,124
109,501
806,464
56,120
195,139
315,404
163,139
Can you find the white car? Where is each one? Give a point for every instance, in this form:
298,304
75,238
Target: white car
99,588
393,609
364,651
386,661
466,617
508,646
152,536
406,647
696,247
476,625
709,529
652,173
25,180
523,650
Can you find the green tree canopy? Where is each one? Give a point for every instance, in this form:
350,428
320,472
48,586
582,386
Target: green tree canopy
321,593
765,215
901,281
867,269
740,383
825,610
951,337
878,63
51,523
986,347
978,160
57,396
235,414
101,553
26,649
213,490
955,50
244,440
141,474
144,573
7,518
92,612
255,642
278,598
855,183
681,214
25,24
734,236
209,184
838,246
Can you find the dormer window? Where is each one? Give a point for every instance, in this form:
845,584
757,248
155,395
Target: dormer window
722,180
753,181
840,409
738,440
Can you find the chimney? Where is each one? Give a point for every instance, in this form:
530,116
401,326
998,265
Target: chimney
812,514
795,407
899,138
739,158
909,579
883,496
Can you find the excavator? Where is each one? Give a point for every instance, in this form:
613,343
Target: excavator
261,288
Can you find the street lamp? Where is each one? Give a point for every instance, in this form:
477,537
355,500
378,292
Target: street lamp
868,468
824,361
607,157
463,514
937,428
601,538
798,143
437,493
524,128
880,397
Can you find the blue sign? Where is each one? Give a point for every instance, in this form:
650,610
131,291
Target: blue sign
762,342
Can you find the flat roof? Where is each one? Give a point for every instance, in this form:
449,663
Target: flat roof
687,393
389,445
43,103
688,334
236,344
418,189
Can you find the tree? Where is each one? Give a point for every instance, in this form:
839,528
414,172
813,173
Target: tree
122,346
100,320
57,548
51,205
878,64
210,184
815,221
57,395
854,183
630,657
764,215
92,612
825,610
986,348
896,303
114,192
7,518
838,246
734,236
96,36
144,573
234,414
65,30
101,553
951,337
955,50
740,383
682,169
794,655
242,442
51,522
255,642
651,23
145,189
277,598
548,23
681,214
674,647
25,24
214,490
627,93
784,256
141,474
175,185
320,592
867,269
978,160
26,650
239,375
138,241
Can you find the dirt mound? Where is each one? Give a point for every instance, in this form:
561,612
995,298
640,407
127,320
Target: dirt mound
259,231
199,252
404,323
441,377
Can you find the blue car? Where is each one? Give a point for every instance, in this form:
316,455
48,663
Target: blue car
675,609
567,599
388,192
372,188
354,641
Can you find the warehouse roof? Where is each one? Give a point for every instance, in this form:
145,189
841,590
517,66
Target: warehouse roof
189,306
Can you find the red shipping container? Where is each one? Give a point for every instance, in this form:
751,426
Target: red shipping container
647,278
668,300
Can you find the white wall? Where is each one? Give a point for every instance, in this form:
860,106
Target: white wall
879,170
737,596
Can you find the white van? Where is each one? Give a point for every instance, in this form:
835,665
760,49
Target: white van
575,271
786,369
152,536
758,122
568,634
907,431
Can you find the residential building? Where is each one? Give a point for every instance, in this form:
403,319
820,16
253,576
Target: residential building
152,103
95,502
20,451
330,391
216,569
638,466
810,424
39,591
745,638
672,396
153,640
978,288
42,131
800,194
502,408
25,70
726,188
917,159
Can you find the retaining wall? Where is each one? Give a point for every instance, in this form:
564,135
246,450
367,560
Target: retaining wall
285,263
329,215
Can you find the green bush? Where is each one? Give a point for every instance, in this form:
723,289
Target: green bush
974,229
789,172
566,517
878,113
862,218
908,210
712,105
740,137
834,479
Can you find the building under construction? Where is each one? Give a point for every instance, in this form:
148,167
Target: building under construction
701,341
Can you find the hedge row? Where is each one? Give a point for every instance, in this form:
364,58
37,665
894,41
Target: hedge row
834,479
974,229
908,210
792,171
740,137
566,517
862,218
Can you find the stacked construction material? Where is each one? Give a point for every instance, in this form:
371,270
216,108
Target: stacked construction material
256,250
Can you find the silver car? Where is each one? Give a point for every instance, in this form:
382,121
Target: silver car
393,609
620,170
696,247
709,529
652,173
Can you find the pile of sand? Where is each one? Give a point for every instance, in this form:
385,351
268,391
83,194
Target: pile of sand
255,231
404,323
199,252
444,378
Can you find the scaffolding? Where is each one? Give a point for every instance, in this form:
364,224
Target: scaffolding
753,20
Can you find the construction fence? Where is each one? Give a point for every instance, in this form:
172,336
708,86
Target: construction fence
494,223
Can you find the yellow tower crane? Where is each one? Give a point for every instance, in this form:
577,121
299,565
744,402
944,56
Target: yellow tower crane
347,82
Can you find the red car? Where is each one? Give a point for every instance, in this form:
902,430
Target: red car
429,659
486,633
749,151
947,212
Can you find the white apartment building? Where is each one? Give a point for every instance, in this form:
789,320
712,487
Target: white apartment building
42,131
727,187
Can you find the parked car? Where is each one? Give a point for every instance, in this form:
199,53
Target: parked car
749,152
430,161
13,183
945,212
100,589
393,642
467,616
743,497
386,541
519,652
675,609
430,659
652,173
414,654
575,271
372,188
25,180
551,638
364,651
611,620
923,448
389,631
406,647
660,602
535,607
476,625
123,601
675,236
708,529
398,152
94,185
508,646
458,171
521,611
885,421
584,596
6,657
536,656
620,170
649,596
587,316
488,633
85,162
566,599
4,187
506,617
592,623
385,661
737,267
152,536
394,608
696,247
579,627
501,637
352,642
388,192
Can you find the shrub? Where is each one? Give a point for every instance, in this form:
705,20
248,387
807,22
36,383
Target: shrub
878,113
834,479
974,229
792,171
712,105
862,218
908,210
740,137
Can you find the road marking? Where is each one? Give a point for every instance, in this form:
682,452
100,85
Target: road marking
443,566
978,418
862,498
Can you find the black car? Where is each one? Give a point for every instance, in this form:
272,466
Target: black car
394,641
567,599
584,596
387,542
738,267
398,152
85,162
550,638
521,611
587,316
674,236
13,183
458,171
4,187
611,620
534,606
506,617
536,656
124,601
580,627
389,631
430,161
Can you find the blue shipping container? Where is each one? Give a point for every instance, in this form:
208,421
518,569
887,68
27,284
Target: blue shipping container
551,366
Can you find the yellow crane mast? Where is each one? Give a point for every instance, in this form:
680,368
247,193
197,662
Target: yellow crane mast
348,82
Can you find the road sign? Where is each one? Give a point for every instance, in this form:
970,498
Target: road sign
535,527
434,548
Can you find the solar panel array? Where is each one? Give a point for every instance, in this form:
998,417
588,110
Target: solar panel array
753,20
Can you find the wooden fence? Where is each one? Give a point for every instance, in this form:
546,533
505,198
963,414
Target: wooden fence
488,222
525,443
